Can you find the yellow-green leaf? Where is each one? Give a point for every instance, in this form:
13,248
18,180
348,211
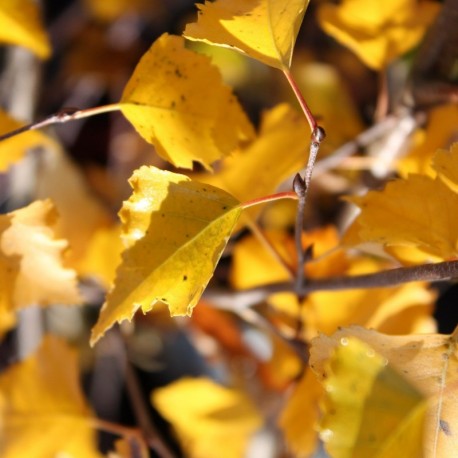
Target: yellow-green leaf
369,408
210,420
21,25
265,30
377,32
42,409
175,231
176,100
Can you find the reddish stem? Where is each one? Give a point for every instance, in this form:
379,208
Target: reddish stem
270,198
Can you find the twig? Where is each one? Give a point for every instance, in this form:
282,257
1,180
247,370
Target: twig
63,116
441,271
300,188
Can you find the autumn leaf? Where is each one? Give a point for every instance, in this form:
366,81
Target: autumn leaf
377,32
21,25
369,409
265,30
114,9
422,223
262,166
176,100
31,259
428,362
175,231
14,149
42,408
204,428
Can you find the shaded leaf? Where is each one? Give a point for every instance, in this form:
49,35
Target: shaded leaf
377,32
265,30
176,100
175,231
42,409
21,25
221,424
369,409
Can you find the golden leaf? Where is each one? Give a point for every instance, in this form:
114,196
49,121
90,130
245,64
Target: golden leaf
176,100
175,231
13,149
31,259
369,408
208,418
21,25
427,361
42,409
377,32
265,30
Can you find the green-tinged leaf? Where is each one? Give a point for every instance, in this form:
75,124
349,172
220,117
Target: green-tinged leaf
265,30
175,231
176,100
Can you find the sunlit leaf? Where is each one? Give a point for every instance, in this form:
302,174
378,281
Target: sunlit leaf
176,100
445,163
175,231
13,149
428,362
31,259
265,30
208,418
377,32
369,408
421,207
21,25
42,409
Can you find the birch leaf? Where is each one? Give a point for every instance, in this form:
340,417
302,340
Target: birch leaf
427,361
377,32
21,25
205,415
369,408
42,408
265,30
177,101
175,231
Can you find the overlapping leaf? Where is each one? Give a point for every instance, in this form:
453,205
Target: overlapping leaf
265,30
175,231
176,100
21,25
42,409
428,362
377,32
221,424
421,207
369,408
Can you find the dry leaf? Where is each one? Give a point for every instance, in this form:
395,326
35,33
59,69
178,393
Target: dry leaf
265,30
369,408
377,32
175,231
209,419
176,100
42,409
21,25
428,362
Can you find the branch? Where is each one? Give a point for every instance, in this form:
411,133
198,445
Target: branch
441,271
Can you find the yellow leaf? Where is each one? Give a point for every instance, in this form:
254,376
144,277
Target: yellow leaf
210,420
175,231
42,409
369,409
13,149
31,259
114,9
421,207
377,32
265,30
261,167
176,100
299,418
21,25
428,361
446,165
129,449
